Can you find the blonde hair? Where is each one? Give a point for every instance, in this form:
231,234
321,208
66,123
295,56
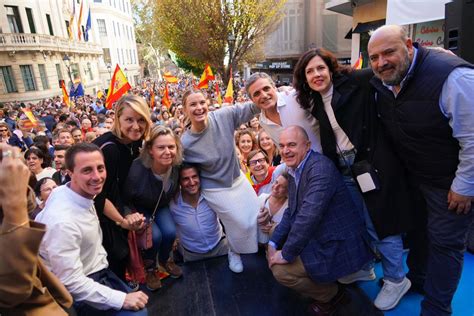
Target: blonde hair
156,132
137,104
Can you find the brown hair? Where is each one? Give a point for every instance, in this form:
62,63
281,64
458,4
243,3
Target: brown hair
157,131
253,153
241,133
303,91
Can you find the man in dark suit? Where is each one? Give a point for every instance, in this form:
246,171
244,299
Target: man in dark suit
322,236
60,176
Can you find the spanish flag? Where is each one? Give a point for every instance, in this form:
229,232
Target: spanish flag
358,63
205,77
79,21
152,97
30,116
66,99
229,93
71,20
118,86
170,78
218,95
166,98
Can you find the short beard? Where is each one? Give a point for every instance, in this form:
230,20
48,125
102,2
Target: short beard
401,71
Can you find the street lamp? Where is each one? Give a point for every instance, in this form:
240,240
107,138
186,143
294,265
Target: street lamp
231,43
67,62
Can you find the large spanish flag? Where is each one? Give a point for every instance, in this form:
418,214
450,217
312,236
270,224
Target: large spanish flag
79,21
66,99
118,86
205,77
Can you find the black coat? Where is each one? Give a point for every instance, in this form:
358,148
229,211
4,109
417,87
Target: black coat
353,102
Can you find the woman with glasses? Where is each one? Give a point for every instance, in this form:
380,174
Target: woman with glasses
260,175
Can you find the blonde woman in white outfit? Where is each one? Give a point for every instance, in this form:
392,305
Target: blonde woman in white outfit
209,142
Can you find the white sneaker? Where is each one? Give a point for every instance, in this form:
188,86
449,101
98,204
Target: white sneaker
391,293
361,275
235,263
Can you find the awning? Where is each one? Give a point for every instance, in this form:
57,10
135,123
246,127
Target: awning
368,26
403,12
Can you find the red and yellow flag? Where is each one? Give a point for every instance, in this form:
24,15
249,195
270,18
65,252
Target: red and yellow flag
166,98
71,20
152,97
30,116
218,95
229,93
79,21
118,86
170,78
205,77
358,63
66,99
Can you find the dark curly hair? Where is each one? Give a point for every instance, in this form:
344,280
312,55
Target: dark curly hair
303,91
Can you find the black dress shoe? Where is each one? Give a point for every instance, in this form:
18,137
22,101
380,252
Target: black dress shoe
329,308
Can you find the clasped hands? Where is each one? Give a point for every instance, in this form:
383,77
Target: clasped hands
133,221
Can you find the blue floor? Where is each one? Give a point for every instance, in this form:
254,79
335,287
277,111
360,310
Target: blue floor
463,303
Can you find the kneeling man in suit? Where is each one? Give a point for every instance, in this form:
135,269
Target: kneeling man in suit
322,236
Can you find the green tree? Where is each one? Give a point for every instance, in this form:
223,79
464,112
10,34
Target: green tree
209,31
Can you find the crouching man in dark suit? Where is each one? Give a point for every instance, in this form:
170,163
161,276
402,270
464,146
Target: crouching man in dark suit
321,237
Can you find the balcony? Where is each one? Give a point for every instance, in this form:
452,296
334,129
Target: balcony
10,42
345,6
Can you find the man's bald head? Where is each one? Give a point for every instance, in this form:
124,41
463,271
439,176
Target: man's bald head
294,144
390,54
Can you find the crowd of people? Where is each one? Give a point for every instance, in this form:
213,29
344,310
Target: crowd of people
344,166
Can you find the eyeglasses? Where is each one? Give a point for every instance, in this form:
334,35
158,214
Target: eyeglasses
3,130
254,162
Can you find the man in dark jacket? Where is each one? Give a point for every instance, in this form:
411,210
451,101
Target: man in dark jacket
322,236
424,101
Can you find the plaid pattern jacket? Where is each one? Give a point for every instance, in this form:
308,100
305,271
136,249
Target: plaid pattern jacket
322,224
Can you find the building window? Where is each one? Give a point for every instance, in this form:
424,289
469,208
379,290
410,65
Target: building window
59,72
50,25
8,79
118,28
102,27
31,21
98,1
75,71
43,76
115,31
89,70
118,56
14,21
106,55
28,77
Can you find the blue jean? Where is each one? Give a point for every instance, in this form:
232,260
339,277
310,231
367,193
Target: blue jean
164,234
391,247
447,233
109,279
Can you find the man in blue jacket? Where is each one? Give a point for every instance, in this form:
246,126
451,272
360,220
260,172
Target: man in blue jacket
322,236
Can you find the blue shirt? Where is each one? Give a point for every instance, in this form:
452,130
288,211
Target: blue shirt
198,228
456,104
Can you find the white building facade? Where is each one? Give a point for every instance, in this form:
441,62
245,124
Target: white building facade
37,51
114,30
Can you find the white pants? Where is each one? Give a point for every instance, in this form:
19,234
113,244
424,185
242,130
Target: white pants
237,208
